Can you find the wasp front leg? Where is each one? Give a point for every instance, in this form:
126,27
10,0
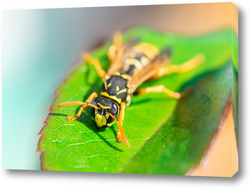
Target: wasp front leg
90,60
121,119
114,48
187,66
84,105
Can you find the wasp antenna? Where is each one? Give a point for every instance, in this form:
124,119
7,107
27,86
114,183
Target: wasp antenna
92,105
71,103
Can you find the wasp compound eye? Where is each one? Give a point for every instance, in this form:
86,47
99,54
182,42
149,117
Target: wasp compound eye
114,109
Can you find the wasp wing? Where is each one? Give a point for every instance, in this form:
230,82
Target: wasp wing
122,54
162,59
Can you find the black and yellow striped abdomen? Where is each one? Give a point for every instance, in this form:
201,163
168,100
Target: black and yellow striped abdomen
139,57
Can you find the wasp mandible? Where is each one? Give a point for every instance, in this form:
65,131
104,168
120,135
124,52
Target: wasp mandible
132,64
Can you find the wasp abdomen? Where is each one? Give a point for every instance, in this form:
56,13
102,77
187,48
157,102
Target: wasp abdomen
140,56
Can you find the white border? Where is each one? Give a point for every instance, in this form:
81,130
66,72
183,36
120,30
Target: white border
38,179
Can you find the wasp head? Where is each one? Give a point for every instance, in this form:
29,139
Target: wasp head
105,112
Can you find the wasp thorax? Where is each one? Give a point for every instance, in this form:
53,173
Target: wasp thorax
105,107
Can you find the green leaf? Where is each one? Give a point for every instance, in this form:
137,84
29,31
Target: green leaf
166,136
183,139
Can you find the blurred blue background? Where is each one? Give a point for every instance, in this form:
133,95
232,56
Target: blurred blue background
41,47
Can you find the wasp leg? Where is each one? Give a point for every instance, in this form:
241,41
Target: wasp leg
114,48
84,105
162,89
90,60
187,66
121,119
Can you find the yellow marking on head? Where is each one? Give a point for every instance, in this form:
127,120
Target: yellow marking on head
117,88
112,97
103,107
125,76
110,124
100,120
109,84
122,91
117,73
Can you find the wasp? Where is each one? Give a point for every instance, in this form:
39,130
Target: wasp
132,64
